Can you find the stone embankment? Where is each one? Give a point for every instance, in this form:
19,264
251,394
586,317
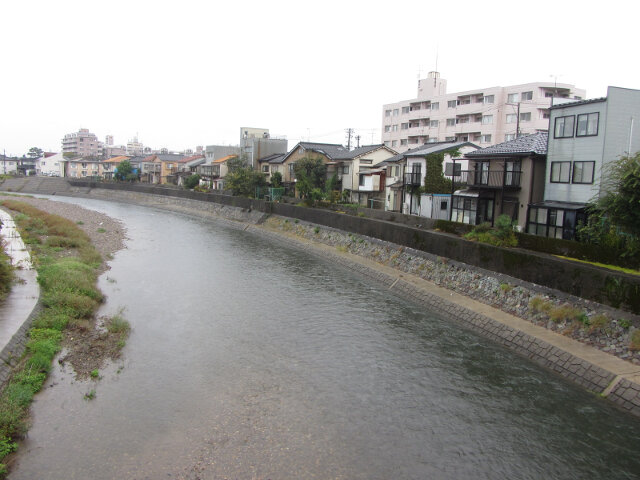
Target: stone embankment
584,341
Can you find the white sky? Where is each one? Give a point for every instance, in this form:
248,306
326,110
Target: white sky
186,73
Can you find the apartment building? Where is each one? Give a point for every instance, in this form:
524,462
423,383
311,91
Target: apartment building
83,144
485,116
256,143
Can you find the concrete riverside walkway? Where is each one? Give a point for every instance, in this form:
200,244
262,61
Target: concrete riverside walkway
22,299
594,369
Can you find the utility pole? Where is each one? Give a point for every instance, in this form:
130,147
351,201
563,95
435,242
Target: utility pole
349,134
357,141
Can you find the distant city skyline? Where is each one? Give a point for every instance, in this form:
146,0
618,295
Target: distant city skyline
296,77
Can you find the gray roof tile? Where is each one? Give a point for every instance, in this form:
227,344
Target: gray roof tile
534,144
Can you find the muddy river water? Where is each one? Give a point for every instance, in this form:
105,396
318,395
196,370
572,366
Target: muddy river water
251,360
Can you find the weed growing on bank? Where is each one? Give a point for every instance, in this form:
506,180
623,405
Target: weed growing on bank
67,265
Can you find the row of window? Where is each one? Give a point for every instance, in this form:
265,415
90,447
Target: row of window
587,125
484,119
582,172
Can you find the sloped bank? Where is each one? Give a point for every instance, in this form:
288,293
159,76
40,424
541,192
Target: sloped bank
384,262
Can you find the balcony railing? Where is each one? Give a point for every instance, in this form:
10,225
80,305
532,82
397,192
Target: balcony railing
413,178
490,179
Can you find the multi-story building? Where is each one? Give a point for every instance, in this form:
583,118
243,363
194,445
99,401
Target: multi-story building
256,143
485,116
585,138
82,144
134,147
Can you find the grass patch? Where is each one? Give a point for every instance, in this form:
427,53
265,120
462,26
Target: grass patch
90,395
540,305
67,264
603,265
634,341
565,313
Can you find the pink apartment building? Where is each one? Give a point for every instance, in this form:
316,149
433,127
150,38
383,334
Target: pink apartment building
485,116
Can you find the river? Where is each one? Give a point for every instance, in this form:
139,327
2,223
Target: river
252,360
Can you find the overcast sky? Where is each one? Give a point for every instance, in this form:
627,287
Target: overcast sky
187,73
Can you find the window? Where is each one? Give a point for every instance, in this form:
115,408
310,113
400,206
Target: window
404,126
512,98
546,222
405,109
265,169
451,122
485,139
345,169
525,117
444,204
387,128
583,172
509,136
361,180
463,210
395,112
394,128
432,140
387,113
413,124
403,142
560,172
564,127
449,139
512,118
387,143
544,114
394,143
487,119
462,120
527,96
451,104
488,99
587,124
435,106
433,123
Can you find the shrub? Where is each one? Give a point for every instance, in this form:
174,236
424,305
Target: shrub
634,343
539,304
599,322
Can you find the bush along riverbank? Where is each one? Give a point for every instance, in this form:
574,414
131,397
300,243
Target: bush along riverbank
6,272
599,326
68,266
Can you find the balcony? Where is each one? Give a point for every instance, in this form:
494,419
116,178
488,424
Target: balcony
413,178
491,180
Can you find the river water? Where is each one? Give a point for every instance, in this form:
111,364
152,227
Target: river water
251,360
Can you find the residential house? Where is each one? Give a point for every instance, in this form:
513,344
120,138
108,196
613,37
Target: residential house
50,165
212,175
363,174
8,165
346,164
587,136
110,166
82,168
485,116
416,171
271,164
185,168
160,168
502,179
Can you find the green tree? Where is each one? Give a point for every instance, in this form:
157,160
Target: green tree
310,173
35,152
192,181
621,203
276,179
125,172
243,180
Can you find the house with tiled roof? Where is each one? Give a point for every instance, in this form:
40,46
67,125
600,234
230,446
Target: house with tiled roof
501,179
212,175
347,165
110,165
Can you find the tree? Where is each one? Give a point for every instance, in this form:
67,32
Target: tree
276,179
621,202
243,180
192,181
35,152
125,172
310,173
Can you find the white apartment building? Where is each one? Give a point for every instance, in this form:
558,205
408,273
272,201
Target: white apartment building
485,116
83,143
135,147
